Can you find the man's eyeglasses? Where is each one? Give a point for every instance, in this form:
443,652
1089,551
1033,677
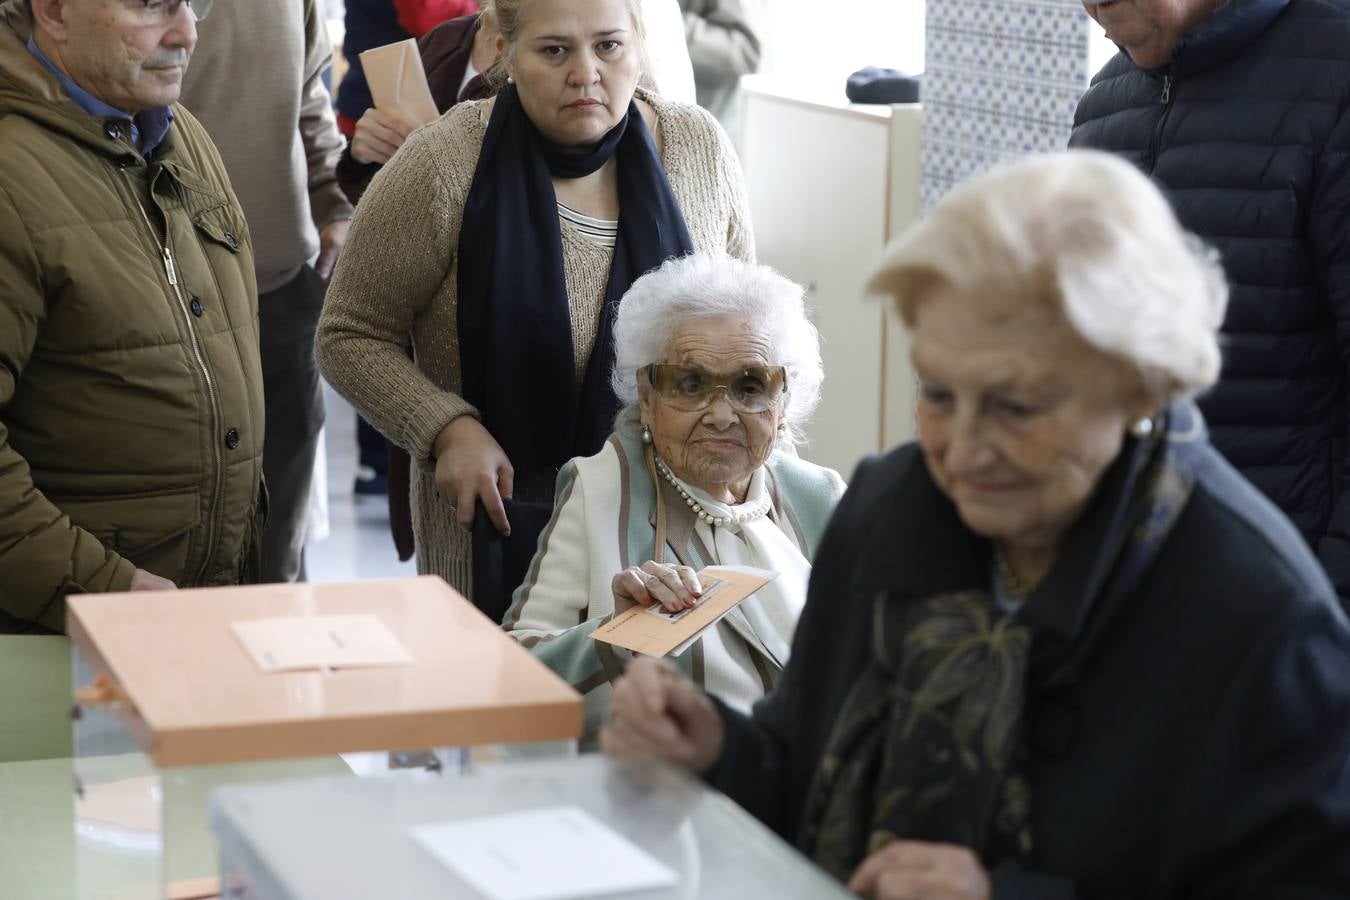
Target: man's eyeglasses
162,12
690,389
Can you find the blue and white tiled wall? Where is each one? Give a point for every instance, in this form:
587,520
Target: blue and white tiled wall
1002,80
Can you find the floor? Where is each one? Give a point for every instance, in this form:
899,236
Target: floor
358,545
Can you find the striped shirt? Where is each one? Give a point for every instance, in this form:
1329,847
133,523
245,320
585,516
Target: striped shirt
604,232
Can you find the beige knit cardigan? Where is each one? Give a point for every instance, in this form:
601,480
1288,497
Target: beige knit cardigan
397,278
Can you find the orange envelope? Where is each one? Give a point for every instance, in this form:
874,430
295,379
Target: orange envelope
398,82
652,632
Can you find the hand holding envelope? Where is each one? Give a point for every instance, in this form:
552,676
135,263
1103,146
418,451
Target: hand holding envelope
656,631
378,136
399,83
676,587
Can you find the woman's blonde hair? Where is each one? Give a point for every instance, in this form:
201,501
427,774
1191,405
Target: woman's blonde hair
1089,234
509,17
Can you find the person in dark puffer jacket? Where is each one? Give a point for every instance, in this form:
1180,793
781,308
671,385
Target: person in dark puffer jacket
1240,112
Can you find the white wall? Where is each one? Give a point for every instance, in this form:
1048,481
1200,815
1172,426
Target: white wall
1099,50
815,46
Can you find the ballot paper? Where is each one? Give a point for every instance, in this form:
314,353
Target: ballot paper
542,854
290,643
652,631
398,82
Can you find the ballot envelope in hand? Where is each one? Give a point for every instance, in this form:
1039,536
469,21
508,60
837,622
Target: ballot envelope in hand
398,82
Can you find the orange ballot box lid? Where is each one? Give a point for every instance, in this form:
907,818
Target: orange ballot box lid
225,675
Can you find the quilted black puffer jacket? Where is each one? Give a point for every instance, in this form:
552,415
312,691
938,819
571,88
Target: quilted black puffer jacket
1247,131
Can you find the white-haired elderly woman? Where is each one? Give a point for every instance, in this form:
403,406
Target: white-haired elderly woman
717,367
1058,648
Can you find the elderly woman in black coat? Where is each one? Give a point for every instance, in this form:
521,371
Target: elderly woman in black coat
1059,648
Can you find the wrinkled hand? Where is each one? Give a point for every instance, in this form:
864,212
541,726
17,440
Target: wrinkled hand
674,587
656,711
378,136
471,465
913,870
331,240
149,581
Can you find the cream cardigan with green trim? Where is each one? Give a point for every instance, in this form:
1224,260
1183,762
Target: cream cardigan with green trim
603,522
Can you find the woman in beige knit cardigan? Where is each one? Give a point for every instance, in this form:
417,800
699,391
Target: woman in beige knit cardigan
500,239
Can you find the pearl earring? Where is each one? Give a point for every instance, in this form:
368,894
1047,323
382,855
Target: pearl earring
646,435
510,80
1142,428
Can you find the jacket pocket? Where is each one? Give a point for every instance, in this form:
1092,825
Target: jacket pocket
221,226
156,531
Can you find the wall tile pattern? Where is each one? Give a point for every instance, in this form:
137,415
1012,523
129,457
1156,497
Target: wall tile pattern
1002,80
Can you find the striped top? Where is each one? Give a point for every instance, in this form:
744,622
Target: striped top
604,232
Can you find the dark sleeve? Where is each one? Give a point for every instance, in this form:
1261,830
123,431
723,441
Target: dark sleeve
769,759
1329,236
1010,884
1272,810
352,176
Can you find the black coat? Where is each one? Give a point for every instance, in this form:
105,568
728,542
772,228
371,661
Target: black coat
1247,131
1203,750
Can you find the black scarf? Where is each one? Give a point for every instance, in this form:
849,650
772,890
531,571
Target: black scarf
515,324
932,741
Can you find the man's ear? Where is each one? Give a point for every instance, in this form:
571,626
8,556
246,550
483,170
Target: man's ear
49,16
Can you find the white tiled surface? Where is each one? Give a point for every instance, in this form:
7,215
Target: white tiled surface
358,545
1003,78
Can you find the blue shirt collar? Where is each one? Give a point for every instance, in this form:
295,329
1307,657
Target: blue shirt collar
148,128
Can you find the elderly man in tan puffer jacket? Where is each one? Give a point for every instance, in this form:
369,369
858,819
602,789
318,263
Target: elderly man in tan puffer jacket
130,393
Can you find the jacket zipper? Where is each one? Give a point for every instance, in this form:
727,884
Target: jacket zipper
1155,143
171,272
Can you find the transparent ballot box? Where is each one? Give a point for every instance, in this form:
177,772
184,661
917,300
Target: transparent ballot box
357,839
179,692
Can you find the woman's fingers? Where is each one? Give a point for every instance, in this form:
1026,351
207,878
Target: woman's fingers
922,870
690,580
639,701
669,586
464,509
378,136
470,467
394,123
492,502
657,711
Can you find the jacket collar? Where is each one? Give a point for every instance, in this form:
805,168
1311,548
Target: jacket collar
147,127
1228,31
29,89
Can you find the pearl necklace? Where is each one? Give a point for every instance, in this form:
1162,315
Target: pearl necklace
759,509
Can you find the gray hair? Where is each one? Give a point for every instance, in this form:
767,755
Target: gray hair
697,288
1089,233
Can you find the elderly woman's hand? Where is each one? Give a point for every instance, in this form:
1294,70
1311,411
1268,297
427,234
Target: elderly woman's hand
913,870
378,136
471,465
674,587
656,711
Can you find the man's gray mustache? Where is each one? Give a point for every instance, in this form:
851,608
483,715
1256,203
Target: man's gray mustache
164,62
